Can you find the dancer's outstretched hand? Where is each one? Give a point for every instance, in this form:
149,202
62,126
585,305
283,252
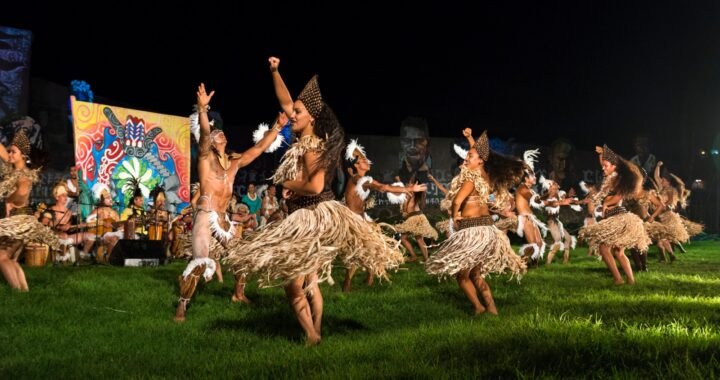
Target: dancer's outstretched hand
203,99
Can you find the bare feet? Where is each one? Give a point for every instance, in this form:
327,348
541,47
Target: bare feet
412,259
370,279
479,311
619,282
180,312
240,298
312,340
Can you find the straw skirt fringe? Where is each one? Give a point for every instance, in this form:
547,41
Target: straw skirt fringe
625,230
484,247
417,225
307,242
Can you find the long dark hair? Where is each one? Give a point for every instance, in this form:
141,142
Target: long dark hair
628,182
679,185
504,171
328,128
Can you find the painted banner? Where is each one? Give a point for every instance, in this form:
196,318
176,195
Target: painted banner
115,147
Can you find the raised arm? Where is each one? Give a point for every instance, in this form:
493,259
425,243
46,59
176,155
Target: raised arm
251,154
315,181
438,184
657,204
599,151
467,132
203,105
281,91
656,174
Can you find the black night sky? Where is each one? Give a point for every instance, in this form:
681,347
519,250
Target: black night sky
593,71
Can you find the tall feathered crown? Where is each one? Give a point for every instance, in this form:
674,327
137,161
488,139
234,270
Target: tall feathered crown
21,141
610,156
482,145
530,158
311,97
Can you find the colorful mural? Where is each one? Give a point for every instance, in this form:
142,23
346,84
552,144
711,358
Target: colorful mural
117,147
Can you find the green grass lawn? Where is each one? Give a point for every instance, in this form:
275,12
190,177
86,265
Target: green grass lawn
560,321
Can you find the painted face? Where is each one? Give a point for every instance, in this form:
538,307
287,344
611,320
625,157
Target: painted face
217,137
607,167
473,160
300,118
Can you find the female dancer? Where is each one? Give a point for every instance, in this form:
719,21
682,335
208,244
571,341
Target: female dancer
478,248
618,229
299,250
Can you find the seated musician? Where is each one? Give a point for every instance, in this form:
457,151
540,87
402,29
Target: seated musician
135,214
102,221
61,223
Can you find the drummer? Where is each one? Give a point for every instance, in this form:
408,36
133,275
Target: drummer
135,212
158,217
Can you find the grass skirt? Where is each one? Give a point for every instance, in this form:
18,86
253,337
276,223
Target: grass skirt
485,247
307,242
692,228
443,226
507,224
27,229
624,230
417,225
674,224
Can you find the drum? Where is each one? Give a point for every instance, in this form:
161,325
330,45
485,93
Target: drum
36,254
129,232
155,231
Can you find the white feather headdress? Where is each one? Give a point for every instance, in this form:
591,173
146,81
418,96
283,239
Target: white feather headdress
352,147
195,124
546,183
260,190
460,151
530,158
98,188
583,187
260,133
